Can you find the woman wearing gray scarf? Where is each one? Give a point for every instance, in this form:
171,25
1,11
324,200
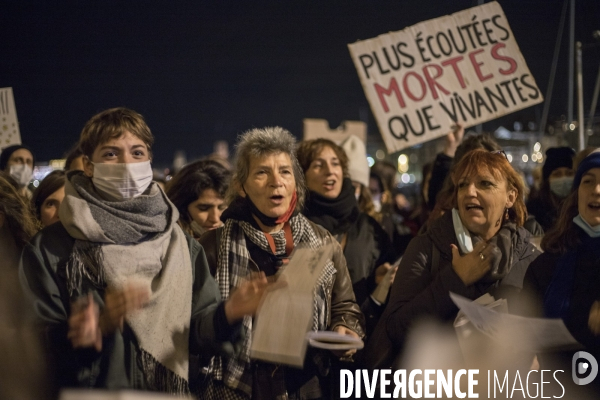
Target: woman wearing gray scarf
123,296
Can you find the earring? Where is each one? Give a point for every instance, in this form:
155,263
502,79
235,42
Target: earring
506,214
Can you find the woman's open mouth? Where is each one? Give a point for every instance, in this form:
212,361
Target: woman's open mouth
472,207
329,184
276,199
594,206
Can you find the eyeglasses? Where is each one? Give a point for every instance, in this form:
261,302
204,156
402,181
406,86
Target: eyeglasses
500,152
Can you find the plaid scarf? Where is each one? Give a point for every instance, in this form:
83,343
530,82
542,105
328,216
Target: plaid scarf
233,267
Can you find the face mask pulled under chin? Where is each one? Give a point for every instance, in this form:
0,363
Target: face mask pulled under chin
21,173
122,181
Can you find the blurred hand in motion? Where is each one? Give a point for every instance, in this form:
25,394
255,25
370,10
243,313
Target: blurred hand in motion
473,266
245,299
342,330
120,302
382,270
384,277
84,324
453,140
594,320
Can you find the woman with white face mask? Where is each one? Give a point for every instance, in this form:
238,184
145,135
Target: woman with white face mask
123,294
18,162
557,179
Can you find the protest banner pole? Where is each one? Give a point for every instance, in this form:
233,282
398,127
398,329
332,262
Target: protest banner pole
571,62
559,35
580,99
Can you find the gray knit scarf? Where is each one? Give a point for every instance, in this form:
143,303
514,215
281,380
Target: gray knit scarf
136,240
234,266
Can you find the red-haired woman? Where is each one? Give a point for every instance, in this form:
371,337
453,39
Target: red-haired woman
479,247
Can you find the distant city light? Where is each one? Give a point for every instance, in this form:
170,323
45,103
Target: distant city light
402,159
534,157
509,157
36,183
371,161
412,178
380,154
537,146
405,178
525,158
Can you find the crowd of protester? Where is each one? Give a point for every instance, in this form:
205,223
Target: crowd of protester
129,285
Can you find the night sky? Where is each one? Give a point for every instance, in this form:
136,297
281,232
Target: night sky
202,71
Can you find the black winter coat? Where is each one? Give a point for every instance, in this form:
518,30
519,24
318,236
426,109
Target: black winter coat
424,279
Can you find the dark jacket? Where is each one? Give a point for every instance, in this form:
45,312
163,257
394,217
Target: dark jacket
584,291
367,247
42,273
424,279
439,172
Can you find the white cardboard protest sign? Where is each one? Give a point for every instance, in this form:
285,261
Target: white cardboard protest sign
9,126
465,68
319,129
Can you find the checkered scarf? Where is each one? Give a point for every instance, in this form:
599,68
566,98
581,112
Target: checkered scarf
233,267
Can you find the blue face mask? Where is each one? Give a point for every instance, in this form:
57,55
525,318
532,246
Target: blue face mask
592,231
561,186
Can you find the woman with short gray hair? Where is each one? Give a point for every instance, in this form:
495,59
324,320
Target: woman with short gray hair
262,225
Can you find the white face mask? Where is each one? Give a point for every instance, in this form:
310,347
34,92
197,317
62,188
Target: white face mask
561,186
21,173
122,181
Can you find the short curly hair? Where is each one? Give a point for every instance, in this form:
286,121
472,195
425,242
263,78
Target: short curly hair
257,143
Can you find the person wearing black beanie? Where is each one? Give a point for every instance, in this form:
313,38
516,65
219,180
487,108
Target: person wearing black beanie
557,179
18,162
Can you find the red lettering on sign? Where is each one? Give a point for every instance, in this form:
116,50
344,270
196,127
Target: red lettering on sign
477,66
511,61
431,80
381,92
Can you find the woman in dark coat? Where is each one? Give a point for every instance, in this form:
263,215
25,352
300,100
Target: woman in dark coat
331,203
564,282
479,247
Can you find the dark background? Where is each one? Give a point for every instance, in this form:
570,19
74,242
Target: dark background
202,71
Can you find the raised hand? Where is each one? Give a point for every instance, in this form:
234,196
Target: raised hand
453,139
